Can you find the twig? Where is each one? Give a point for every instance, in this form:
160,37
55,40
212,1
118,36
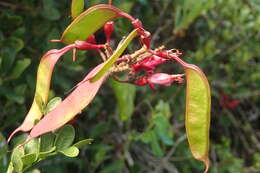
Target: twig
173,149
15,6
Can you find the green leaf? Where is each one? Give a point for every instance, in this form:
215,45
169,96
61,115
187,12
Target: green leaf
188,10
53,103
113,167
65,137
29,159
50,12
82,143
16,43
125,96
88,22
124,6
10,168
3,146
19,67
156,148
16,159
47,142
116,54
101,153
8,58
161,122
32,146
43,155
163,130
70,152
77,6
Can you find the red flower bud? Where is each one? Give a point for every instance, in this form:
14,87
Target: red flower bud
232,104
141,81
109,28
148,64
146,39
163,54
91,39
83,45
137,24
226,102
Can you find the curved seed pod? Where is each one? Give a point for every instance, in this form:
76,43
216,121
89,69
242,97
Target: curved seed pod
69,107
198,103
117,53
88,22
44,75
197,121
77,6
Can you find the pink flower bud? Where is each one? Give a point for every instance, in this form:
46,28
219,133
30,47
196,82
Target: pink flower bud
164,79
109,28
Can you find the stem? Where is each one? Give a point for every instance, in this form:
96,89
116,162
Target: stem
117,53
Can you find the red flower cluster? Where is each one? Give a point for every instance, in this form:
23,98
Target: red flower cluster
226,102
149,64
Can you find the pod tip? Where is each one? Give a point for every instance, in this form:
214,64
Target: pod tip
13,133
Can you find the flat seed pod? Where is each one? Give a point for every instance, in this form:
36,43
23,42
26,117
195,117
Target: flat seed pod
197,118
44,75
69,107
88,22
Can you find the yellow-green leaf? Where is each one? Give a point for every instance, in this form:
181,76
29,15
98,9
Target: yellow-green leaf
70,152
77,6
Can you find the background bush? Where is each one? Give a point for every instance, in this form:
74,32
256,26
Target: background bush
141,130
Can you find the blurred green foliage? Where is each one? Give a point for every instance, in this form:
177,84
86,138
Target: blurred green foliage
135,129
